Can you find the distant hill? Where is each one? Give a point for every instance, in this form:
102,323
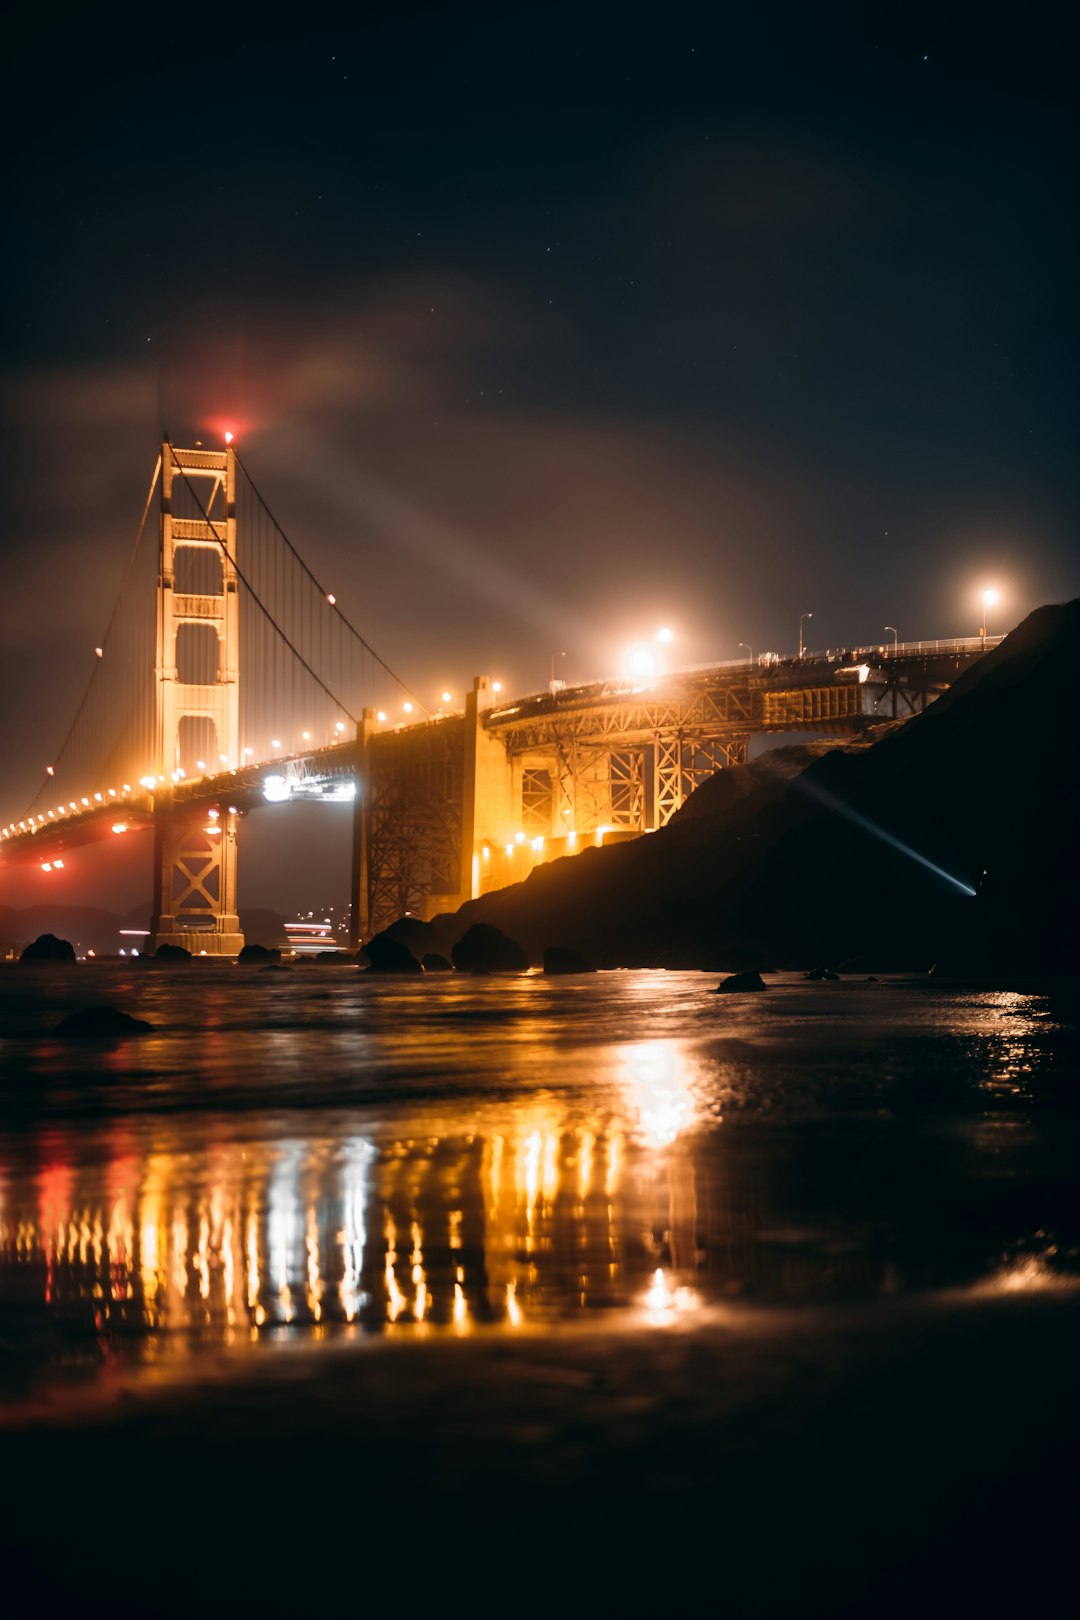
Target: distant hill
867,855
262,927
91,929
85,926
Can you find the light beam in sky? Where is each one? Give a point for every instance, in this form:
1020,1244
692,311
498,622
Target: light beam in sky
830,802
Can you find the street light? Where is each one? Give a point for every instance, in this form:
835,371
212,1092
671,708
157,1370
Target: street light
645,659
802,620
554,656
640,662
749,649
989,599
887,629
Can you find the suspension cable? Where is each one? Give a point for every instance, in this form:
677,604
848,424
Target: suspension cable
112,619
346,621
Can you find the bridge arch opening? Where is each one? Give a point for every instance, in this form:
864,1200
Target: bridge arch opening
197,571
197,745
198,654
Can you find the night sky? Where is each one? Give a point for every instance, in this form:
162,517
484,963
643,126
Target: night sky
541,327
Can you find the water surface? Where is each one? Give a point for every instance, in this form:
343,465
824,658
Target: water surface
311,1153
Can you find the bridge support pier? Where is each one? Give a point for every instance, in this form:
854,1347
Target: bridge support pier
360,880
491,789
195,878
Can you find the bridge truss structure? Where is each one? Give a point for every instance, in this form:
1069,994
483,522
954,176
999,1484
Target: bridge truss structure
556,771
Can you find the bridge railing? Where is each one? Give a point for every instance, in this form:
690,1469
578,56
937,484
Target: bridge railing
961,644
602,688
835,655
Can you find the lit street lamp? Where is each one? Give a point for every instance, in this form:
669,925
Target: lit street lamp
892,627
640,662
645,659
989,599
749,650
802,620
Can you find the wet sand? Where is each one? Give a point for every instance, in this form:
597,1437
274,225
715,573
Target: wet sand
910,1457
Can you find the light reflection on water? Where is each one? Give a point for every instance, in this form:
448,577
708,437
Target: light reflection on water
443,1230
656,1079
531,1176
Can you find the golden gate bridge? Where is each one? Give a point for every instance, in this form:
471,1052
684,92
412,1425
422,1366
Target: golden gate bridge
230,678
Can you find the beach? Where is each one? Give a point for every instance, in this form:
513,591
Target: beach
541,1292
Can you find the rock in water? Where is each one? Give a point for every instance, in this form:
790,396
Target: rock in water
102,1021
386,955
484,949
735,982
47,948
820,974
561,959
258,954
434,963
172,953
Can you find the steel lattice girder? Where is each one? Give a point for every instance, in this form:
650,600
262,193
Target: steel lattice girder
681,766
537,790
626,787
668,778
599,786
637,719
196,877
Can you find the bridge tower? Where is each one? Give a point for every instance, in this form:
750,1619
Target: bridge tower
195,853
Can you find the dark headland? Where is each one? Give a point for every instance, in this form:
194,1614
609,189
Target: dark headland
862,853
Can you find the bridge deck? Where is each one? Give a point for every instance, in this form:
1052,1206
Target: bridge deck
840,689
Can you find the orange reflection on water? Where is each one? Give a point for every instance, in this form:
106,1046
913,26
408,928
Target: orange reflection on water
416,1261
657,1078
396,1300
664,1304
314,1281
510,1222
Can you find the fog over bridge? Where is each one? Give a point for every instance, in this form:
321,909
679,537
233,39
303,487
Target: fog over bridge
231,680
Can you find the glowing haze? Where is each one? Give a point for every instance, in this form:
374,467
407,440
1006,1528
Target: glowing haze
539,340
